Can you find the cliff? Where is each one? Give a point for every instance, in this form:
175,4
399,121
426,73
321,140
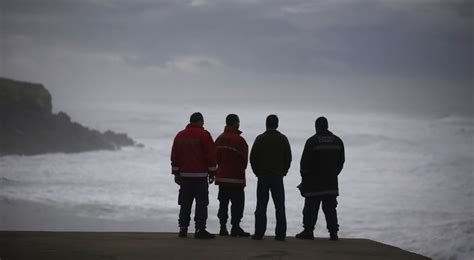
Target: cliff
117,245
28,126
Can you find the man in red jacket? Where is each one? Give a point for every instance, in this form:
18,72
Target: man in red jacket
232,158
193,161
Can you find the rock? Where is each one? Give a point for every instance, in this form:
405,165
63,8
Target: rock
63,117
17,96
118,139
28,126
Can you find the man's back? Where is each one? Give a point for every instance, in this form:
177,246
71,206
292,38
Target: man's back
271,154
325,154
193,150
321,163
232,154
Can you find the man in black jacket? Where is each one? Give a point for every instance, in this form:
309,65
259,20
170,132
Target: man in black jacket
270,159
321,163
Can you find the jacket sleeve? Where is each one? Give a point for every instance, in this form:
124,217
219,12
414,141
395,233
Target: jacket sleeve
305,160
218,152
210,153
288,157
244,152
342,157
175,167
254,155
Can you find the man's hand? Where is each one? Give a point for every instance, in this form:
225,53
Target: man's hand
177,179
211,179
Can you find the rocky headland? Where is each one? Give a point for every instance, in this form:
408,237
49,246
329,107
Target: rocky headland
28,126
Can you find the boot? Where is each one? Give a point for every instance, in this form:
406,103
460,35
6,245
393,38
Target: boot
333,236
203,234
237,231
280,238
183,232
223,231
256,237
305,234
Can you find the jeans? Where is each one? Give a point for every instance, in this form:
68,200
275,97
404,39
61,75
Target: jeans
237,197
275,185
311,208
193,189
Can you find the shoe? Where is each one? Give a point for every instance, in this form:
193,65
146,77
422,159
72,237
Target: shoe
305,234
203,234
223,231
280,238
238,232
333,236
256,237
183,232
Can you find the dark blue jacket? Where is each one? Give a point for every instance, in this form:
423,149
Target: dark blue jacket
321,163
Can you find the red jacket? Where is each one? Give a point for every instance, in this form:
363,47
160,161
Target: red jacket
193,154
232,158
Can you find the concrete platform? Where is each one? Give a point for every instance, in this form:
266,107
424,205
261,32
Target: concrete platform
100,245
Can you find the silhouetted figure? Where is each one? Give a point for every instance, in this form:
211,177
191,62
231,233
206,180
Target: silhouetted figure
321,163
193,160
232,159
270,159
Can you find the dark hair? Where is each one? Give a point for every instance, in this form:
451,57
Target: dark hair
321,124
272,121
232,119
196,117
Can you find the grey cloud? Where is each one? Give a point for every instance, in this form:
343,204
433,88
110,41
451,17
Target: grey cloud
272,44
342,38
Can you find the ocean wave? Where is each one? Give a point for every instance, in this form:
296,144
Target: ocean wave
364,139
4,181
456,119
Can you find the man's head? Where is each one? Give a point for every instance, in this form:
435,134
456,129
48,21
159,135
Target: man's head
232,120
321,124
272,122
197,118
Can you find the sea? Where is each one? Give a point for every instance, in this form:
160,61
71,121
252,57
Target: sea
407,180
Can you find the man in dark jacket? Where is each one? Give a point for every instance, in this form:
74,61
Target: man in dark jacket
270,159
232,158
193,161
321,163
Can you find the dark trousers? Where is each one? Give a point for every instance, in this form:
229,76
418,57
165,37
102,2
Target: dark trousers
237,197
311,208
275,185
193,189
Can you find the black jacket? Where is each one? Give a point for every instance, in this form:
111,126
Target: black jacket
270,154
321,163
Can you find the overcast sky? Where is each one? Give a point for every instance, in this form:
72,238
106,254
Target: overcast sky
393,55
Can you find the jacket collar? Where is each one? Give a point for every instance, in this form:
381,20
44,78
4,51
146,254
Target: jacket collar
272,131
193,125
325,132
228,129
